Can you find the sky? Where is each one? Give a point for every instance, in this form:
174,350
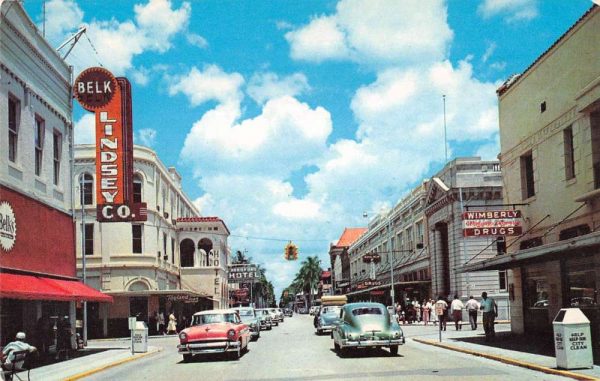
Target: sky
290,119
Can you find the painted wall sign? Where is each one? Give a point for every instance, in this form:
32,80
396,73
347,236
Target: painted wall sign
492,223
97,90
8,226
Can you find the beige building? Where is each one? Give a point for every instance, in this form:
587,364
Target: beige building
398,237
550,157
141,264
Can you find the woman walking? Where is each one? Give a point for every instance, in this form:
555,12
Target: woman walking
172,327
426,310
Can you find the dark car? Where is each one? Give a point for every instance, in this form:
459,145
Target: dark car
288,312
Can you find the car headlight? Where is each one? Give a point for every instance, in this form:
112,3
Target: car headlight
252,325
350,337
396,335
231,333
183,337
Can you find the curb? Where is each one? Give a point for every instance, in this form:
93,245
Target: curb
510,361
110,365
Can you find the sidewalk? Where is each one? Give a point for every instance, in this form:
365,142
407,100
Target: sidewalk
535,353
113,353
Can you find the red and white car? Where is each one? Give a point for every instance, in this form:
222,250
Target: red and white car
214,331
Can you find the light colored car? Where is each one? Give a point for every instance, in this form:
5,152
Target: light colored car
366,325
266,319
275,316
214,331
250,318
311,311
328,317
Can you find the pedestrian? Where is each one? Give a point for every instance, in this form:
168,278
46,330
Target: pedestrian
472,307
440,310
161,323
172,327
44,333
426,310
490,312
457,306
15,346
398,312
417,307
432,315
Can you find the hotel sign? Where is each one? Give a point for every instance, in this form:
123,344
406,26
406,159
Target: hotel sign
492,223
98,91
242,274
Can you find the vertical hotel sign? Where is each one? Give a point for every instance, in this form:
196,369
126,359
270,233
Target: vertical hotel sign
98,91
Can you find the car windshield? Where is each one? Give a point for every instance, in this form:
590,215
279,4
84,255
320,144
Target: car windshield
214,318
335,310
246,313
367,311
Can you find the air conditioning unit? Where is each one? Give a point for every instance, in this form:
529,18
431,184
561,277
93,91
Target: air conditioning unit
158,207
420,245
166,215
165,257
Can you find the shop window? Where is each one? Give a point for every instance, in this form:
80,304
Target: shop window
89,239
537,292
573,232
582,291
569,153
527,180
56,155
14,108
136,241
86,189
40,127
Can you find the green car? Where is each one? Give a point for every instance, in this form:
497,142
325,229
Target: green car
327,318
366,325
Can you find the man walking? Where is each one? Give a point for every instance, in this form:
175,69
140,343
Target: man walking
456,307
490,312
440,310
472,307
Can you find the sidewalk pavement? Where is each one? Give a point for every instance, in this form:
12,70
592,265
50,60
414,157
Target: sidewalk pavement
533,352
116,352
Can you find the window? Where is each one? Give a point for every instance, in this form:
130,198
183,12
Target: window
165,255
136,241
86,189
419,228
173,250
39,144
502,280
13,128
582,289
89,239
137,188
57,153
595,128
527,183
569,153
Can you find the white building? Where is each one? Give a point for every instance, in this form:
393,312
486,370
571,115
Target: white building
140,263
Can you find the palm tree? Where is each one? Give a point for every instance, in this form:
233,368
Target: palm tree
309,275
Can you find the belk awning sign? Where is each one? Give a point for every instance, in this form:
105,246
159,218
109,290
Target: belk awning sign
492,223
242,274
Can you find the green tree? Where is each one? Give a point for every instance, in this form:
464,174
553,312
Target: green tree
308,276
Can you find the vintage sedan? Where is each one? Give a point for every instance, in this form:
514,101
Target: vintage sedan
251,319
266,321
214,331
328,317
276,314
366,325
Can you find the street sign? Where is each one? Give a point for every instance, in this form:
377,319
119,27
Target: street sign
242,274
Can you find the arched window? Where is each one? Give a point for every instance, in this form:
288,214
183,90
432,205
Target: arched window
138,187
138,286
186,253
206,245
86,189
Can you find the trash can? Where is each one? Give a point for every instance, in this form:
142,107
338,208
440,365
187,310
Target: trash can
572,339
140,337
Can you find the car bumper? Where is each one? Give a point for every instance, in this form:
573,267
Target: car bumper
212,347
371,343
325,327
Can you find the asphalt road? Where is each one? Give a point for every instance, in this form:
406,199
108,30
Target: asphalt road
293,351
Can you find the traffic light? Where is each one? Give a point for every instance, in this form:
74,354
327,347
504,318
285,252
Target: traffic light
290,252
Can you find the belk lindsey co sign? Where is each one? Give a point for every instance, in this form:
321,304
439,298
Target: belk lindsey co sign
8,227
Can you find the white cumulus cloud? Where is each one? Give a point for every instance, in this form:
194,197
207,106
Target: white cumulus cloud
511,10
265,86
85,129
211,83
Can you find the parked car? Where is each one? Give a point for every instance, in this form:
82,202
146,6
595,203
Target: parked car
366,325
276,315
251,319
214,331
288,312
328,317
302,310
269,322
311,311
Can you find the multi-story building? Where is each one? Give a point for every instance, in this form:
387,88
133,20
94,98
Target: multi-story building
148,267
340,261
37,246
398,238
464,184
550,156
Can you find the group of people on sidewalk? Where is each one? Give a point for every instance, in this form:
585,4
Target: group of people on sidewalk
487,305
172,327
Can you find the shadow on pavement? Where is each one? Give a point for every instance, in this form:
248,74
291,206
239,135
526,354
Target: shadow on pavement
365,353
39,360
538,344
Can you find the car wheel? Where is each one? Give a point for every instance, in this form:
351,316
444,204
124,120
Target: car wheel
332,334
336,346
187,358
344,352
394,349
319,332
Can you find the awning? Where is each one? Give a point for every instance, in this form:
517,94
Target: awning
535,254
29,287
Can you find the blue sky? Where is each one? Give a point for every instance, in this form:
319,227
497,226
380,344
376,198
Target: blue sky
288,119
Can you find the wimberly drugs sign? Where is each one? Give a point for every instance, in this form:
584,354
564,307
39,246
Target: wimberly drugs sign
242,274
492,223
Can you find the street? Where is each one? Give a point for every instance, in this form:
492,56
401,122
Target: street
293,351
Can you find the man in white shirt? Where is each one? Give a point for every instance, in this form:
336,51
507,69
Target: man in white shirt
456,307
472,307
18,345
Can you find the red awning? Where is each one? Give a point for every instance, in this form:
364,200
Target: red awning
41,288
